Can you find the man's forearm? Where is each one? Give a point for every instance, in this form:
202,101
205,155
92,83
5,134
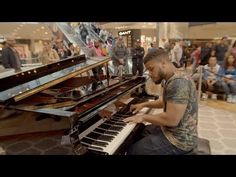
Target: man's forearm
154,104
161,119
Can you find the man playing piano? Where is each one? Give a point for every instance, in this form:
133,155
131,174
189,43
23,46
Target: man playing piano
174,131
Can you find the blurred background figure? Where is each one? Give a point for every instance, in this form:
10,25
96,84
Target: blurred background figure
10,56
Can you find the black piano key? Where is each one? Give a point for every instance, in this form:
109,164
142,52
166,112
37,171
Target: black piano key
109,122
116,128
99,143
105,132
103,126
99,130
87,140
111,133
116,119
120,124
106,138
93,135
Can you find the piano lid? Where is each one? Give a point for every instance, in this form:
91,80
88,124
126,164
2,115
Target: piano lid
21,85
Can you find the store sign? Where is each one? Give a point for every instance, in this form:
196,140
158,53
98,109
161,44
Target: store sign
124,33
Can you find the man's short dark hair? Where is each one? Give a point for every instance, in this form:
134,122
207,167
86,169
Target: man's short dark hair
156,55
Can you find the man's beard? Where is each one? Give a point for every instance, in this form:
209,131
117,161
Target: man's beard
161,77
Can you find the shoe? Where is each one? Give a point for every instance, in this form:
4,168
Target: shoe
214,96
204,96
234,99
229,98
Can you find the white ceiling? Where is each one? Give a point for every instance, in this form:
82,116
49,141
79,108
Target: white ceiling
25,30
129,25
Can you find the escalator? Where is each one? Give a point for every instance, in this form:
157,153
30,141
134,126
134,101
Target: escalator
93,33
72,36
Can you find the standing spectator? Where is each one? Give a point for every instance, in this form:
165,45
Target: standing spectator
153,47
83,33
119,57
62,51
10,56
205,53
71,51
195,55
220,50
137,58
89,43
178,53
48,55
98,73
233,49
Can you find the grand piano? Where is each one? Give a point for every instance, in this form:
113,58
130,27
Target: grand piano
71,89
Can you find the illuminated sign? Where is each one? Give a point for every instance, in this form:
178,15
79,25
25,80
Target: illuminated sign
124,33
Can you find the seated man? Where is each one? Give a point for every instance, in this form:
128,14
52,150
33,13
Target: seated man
209,82
174,131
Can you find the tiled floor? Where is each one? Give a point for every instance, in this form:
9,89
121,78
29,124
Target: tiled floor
37,144
218,125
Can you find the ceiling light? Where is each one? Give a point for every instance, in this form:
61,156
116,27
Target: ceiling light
42,27
46,33
21,25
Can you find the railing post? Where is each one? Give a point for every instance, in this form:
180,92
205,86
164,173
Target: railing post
200,84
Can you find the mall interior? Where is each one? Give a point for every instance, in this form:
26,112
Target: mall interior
75,88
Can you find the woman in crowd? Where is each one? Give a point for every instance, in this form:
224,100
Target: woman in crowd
228,71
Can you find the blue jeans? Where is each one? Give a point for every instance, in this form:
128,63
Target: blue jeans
229,88
154,142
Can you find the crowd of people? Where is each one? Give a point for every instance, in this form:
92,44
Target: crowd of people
218,60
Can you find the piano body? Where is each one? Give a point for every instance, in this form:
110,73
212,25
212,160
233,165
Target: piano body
64,90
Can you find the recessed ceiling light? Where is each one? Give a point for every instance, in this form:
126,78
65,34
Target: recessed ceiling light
46,33
42,27
21,25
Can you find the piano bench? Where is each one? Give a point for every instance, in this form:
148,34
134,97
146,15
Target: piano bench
203,148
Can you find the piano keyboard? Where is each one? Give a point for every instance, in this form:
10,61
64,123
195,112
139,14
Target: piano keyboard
107,135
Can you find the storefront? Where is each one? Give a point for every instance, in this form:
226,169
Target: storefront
130,36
